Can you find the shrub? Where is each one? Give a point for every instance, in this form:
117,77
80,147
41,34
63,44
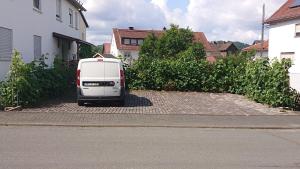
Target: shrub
259,80
28,84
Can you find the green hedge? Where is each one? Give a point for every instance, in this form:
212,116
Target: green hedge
259,80
29,84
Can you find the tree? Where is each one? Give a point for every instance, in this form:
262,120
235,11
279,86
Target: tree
88,51
149,47
173,43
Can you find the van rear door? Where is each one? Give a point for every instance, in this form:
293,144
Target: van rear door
92,78
112,75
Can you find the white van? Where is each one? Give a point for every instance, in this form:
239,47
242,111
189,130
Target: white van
100,79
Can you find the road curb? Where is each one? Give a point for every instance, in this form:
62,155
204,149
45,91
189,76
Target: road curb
147,126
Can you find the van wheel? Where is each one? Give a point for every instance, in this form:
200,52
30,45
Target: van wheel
121,102
80,103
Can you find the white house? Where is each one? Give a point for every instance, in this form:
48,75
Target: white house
127,42
284,37
40,29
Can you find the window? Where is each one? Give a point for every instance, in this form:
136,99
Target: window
76,20
126,41
287,55
37,45
127,55
83,36
37,4
71,17
58,9
133,42
6,43
297,30
140,42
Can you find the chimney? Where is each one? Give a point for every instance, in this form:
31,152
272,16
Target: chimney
131,28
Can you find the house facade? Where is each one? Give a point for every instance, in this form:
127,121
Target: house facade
259,49
225,48
284,38
127,42
41,29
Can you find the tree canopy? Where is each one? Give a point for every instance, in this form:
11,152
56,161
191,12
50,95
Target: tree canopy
172,44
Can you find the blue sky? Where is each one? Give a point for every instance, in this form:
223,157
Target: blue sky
218,19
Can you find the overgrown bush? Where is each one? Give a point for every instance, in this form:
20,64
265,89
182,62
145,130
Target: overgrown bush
259,80
28,84
174,62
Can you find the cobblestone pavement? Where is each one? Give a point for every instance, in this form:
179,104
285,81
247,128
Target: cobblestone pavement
153,102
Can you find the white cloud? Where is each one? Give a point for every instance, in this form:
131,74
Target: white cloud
218,19
104,15
224,19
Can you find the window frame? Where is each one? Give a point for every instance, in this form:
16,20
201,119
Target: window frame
71,17
76,20
11,43
127,55
37,58
39,8
292,54
132,43
59,10
297,34
126,39
140,40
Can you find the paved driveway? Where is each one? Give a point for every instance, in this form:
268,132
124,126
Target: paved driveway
153,102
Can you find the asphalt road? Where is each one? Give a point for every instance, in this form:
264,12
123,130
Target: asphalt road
147,148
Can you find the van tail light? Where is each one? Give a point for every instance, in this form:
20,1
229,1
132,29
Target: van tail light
122,78
78,78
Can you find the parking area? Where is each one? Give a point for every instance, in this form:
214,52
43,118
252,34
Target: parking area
154,102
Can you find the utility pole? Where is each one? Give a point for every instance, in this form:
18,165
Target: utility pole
263,30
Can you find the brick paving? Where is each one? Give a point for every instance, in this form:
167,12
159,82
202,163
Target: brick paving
165,103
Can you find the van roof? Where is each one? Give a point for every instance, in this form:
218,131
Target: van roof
96,59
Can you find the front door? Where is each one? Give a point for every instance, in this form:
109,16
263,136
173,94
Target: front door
65,50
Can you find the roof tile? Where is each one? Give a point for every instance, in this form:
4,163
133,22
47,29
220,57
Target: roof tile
285,13
142,34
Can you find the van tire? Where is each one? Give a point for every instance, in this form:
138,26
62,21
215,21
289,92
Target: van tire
80,103
121,102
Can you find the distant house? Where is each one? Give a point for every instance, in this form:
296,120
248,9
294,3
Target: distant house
284,37
259,49
225,48
106,48
127,42
98,55
256,42
41,29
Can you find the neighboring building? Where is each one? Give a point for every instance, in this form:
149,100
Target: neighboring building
284,37
225,48
127,42
98,55
259,49
106,48
40,29
256,42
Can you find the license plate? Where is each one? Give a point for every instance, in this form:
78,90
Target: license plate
97,84
91,84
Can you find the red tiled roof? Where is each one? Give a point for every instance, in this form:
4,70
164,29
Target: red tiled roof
142,34
285,13
257,47
106,48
